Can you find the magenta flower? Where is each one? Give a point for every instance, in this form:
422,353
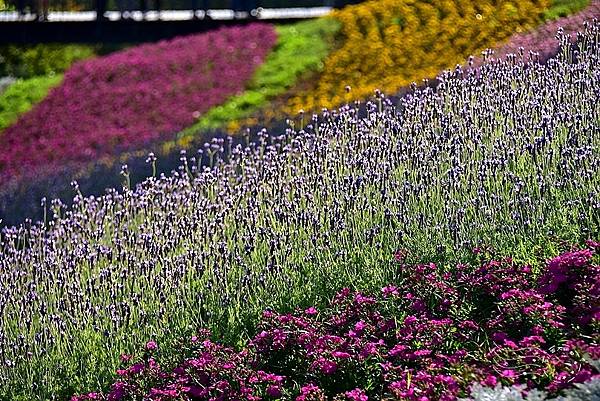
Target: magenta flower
311,311
390,290
310,392
132,98
340,355
151,346
325,366
274,391
356,395
490,381
509,373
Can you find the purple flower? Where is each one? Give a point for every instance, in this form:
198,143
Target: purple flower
311,311
509,373
357,395
340,355
274,391
390,290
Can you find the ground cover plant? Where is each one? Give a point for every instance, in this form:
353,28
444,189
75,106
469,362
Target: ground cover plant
504,155
133,97
409,40
32,70
22,95
253,108
429,335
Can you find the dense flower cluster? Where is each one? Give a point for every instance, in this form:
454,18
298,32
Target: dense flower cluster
505,155
427,337
388,44
542,40
132,97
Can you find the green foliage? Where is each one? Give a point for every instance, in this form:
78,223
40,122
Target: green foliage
300,48
40,59
22,95
563,8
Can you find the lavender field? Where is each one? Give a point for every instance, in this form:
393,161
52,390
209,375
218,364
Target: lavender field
494,162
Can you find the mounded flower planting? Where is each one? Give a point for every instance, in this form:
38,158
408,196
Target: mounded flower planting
506,154
542,39
429,336
132,97
406,41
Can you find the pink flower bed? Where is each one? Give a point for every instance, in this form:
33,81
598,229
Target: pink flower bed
133,97
429,336
542,40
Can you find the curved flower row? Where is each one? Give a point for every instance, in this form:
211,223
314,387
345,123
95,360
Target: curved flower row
543,40
388,44
133,97
427,337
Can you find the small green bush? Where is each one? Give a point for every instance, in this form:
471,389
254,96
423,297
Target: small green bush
22,95
40,59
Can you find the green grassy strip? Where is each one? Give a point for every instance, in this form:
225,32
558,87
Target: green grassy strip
22,95
563,8
300,48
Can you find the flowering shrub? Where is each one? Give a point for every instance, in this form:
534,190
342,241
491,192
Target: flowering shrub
388,44
133,97
505,155
428,336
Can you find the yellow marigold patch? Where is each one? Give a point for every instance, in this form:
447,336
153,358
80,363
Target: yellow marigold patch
387,44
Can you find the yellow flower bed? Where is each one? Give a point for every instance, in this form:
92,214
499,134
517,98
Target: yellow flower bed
387,44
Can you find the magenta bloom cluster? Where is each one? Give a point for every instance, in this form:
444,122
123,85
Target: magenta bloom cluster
542,40
428,336
133,97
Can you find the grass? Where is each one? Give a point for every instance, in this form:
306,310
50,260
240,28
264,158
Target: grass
39,68
300,48
22,95
563,8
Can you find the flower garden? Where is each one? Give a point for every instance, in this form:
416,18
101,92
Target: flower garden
124,99
420,339
405,242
